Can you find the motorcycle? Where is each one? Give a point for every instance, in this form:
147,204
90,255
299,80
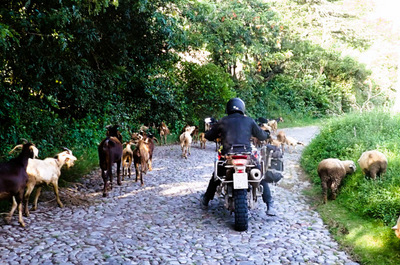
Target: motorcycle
240,172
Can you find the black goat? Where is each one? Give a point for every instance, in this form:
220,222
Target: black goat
13,179
110,152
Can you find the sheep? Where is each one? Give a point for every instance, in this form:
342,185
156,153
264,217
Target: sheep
186,140
290,141
373,163
13,179
127,157
164,131
332,171
47,172
110,152
396,228
203,140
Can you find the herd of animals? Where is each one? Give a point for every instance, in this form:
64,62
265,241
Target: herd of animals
20,175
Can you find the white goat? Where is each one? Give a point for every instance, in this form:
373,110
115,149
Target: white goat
47,172
186,140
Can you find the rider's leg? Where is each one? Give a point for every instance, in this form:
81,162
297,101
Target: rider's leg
267,198
212,187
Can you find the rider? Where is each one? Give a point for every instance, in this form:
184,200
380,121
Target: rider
236,129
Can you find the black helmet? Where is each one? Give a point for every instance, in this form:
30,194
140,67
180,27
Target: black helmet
235,105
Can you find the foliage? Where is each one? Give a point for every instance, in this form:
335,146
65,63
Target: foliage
206,90
71,67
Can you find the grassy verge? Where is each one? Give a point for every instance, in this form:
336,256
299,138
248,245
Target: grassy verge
362,215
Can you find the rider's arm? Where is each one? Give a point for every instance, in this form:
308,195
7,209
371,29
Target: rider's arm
259,133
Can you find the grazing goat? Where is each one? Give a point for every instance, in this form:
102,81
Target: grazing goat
110,152
332,171
203,140
127,158
373,163
46,172
13,179
186,140
164,131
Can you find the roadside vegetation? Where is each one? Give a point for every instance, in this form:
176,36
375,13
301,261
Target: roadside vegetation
365,210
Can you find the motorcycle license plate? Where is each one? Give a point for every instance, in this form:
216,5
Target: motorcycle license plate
240,181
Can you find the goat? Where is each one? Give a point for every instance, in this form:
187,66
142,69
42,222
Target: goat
110,152
127,158
136,137
186,140
290,141
195,134
202,140
274,126
281,137
208,124
47,172
141,157
164,131
13,179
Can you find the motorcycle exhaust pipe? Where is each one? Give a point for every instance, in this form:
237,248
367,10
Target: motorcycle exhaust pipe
255,174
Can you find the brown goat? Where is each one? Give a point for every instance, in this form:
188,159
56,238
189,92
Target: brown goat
142,158
164,131
110,152
203,140
127,158
13,179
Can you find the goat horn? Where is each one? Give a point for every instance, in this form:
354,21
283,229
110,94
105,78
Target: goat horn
17,146
24,140
66,149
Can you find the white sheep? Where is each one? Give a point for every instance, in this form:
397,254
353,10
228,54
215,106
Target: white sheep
332,171
47,172
373,163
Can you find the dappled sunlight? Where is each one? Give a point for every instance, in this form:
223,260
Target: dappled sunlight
134,192
183,189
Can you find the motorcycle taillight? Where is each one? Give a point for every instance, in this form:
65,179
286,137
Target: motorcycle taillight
240,157
239,162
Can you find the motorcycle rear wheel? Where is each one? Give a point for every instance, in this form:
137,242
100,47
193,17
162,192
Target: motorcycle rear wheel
241,210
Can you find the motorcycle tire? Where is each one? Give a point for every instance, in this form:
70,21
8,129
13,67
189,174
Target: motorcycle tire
241,210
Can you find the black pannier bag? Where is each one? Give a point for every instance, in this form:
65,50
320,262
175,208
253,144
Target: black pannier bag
274,172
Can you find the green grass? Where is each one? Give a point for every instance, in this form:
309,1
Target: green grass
365,210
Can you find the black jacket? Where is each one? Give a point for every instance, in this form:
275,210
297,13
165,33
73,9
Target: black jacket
236,129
